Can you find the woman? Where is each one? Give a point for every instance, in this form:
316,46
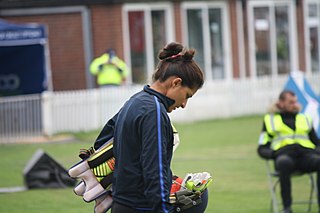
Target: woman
143,135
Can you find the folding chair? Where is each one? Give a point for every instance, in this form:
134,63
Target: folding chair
273,179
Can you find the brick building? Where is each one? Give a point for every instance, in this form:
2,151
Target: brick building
233,38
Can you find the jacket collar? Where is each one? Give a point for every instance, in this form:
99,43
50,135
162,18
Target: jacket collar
167,102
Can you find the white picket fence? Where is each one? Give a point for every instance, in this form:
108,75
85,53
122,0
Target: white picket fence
82,110
24,117
20,118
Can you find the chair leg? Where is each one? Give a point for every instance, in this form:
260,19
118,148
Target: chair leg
274,207
274,204
272,186
312,185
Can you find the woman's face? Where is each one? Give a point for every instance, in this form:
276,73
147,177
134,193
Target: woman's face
180,94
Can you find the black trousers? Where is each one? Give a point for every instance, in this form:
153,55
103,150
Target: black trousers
287,164
119,208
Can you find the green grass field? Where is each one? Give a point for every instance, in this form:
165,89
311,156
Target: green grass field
226,148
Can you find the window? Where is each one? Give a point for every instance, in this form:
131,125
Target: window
271,28
262,41
312,38
146,29
206,31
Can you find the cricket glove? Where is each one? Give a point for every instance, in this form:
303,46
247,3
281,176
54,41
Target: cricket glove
95,172
103,203
86,153
186,193
185,199
197,182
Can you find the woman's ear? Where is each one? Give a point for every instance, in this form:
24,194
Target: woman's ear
176,82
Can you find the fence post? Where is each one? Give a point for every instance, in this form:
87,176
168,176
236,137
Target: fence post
46,101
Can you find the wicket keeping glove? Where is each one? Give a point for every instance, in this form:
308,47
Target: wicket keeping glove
197,182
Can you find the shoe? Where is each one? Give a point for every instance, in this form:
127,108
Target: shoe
287,210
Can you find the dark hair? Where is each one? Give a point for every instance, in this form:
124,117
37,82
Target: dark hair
175,60
111,52
284,94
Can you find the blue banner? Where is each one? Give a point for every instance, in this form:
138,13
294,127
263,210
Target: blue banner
22,59
22,70
21,33
306,96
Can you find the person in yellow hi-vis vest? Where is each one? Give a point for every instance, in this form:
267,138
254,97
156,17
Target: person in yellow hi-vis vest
109,69
288,137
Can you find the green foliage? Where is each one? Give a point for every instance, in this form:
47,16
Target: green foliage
226,148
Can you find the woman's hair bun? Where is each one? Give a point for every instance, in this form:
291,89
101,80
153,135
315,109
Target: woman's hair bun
172,50
169,50
188,54
176,60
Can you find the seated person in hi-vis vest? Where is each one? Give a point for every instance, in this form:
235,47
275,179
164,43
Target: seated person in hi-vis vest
288,137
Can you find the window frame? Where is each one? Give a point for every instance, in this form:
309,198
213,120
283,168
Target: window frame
307,35
292,35
226,35
147,9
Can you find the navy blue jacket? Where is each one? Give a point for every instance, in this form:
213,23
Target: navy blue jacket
143,145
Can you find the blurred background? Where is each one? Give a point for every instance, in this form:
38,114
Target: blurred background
248,50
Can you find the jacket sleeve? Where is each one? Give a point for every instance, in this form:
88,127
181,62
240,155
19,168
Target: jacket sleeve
155,161
265,151
106,133
121,65
314,138
96,63
264,148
